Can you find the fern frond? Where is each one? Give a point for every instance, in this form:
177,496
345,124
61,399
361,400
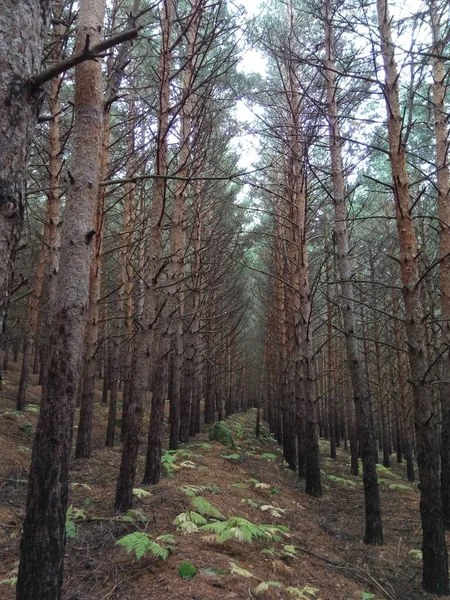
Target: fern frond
140,493
237,570
265,585
141,543
205,508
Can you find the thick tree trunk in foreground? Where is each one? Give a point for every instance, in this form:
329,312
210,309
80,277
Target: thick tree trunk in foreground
23,27
42,548
435,563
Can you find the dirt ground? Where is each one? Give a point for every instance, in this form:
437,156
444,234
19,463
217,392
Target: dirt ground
321,557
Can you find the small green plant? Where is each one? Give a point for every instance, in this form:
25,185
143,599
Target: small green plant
259,485
33,408
206,509
237,570
133,515
239,430
274,491
193,490
9,581
187,570
240,485
219,432
140,493
264,586
269,456
367,596
387,472
189,522
205,446
231,457
169,459
347,482
242,530
415,553
27,427
275,511
400,487
141,544
71,515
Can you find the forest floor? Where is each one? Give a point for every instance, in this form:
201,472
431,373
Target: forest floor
321,557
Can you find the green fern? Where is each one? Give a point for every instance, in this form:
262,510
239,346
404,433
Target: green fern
242,530
289,551
193,490
231,457
387,472
141,543
259,484
237,570
399,486
206,509
189,522
240,485
415,553
250,502
140,493
71,515
264,586
168,461
336,479
275,511
367,596
9,581
269,456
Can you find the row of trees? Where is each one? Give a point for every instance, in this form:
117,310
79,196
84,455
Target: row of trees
335,289
158,278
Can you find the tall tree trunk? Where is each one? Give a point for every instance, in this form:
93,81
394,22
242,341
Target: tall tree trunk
439,88
43,540
361,396
435,563
145,338
23,28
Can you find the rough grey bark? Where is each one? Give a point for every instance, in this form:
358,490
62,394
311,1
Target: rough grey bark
361,395
23,27
435,561
42,547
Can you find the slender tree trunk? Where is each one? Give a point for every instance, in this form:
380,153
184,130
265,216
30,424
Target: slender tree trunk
373,530
439,88
435,563
144,339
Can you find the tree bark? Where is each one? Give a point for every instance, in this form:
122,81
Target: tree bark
373,528
42,547
435,563
23,27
